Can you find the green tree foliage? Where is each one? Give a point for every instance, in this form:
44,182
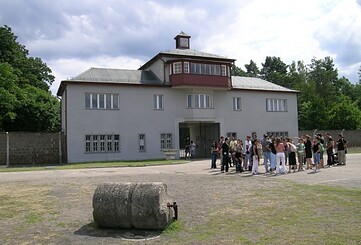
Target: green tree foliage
252,69
26,103
345,114
238,71
274,70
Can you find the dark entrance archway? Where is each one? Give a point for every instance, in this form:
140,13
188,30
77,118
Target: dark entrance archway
202,133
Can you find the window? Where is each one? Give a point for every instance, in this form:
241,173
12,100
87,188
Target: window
186,67
205,69
158,102
166,141
199,101
223,70
95,143
102,143
141,142
231,134
237,106
177,67
87,143
101,101
276,105
278,134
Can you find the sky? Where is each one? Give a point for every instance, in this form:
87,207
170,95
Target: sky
72,36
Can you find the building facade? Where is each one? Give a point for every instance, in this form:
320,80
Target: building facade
177,96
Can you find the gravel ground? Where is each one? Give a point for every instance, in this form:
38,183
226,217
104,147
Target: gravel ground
197,190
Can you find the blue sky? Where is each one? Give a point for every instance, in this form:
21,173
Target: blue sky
72,36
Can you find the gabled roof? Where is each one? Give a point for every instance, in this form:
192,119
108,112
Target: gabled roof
115,76
253,83
141,77
187,53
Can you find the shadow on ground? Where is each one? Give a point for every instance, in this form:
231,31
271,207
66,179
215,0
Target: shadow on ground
129,234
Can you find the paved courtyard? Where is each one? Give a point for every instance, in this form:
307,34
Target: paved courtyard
349,175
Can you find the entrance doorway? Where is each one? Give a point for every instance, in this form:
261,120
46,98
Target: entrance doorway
202,134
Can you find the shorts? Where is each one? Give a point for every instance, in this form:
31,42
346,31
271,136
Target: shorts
316,158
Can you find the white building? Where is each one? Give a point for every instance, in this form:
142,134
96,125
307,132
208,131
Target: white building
177,96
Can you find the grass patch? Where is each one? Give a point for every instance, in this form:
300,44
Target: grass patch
93,165
174,227
33,218
290,214
24,200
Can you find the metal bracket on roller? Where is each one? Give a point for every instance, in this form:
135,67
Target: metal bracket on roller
175,208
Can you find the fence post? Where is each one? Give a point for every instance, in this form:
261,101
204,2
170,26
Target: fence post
7,150
60,155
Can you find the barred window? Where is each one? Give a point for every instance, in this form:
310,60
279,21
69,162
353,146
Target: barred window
283,134
141,142
166,141
102,143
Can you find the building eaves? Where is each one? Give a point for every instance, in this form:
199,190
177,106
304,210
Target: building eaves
252,83
114,76
187,53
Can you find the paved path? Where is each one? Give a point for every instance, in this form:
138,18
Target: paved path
349,175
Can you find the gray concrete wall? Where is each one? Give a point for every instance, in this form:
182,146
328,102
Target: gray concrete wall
353,137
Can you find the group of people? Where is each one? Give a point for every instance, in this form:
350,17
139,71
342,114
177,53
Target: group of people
277,153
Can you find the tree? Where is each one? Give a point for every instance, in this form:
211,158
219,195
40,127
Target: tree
237,71
9,93
297,75
26,103
252,69
325,77
275,70
345,115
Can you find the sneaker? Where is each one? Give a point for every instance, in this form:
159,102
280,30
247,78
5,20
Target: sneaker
222,172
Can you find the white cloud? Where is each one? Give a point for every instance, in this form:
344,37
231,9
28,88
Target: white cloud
68,68
74,36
